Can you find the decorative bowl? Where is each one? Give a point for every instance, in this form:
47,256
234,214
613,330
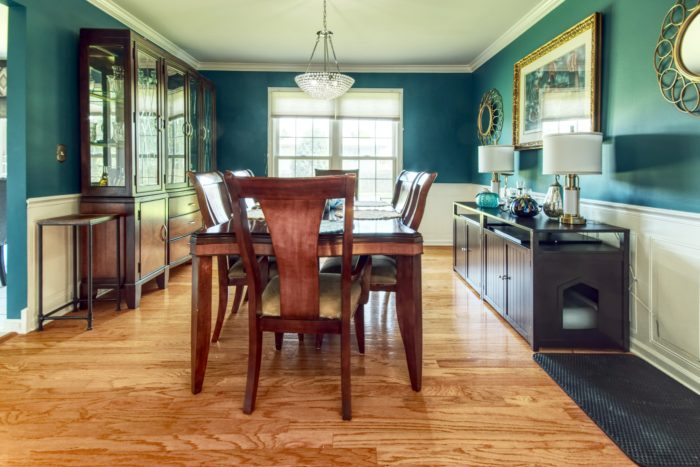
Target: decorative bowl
524,206
487,199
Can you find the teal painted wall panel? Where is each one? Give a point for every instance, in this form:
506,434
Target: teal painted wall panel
436,112
651,151
42,112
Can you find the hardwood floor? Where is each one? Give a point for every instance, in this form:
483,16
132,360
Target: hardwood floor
120,394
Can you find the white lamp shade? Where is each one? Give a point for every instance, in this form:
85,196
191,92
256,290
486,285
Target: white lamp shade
496,158
572,153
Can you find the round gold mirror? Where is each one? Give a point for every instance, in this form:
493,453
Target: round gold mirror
490,119
687,49
677,56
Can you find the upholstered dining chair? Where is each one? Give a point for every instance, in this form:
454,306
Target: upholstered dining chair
402,190
215,206
383,277
299,299
326,172
384,267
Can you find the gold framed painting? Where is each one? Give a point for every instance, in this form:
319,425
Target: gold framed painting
556,88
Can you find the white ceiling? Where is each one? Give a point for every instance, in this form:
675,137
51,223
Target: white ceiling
366,32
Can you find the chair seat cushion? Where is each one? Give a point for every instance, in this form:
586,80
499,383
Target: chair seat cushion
383,268
333,264
329,296
237,271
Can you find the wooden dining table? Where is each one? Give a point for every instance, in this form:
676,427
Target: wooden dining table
370,237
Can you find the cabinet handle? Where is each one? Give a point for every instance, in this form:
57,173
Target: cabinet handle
464,249
164,232
191,204
192,222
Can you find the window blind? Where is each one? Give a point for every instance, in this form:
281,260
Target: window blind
354,104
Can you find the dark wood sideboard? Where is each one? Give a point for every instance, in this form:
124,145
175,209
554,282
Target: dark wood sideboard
558,285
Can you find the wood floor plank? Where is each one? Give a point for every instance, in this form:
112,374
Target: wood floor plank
119,394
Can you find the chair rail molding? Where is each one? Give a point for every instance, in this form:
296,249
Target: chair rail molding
664,284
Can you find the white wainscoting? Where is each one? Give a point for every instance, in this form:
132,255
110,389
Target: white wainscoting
436,226
58,254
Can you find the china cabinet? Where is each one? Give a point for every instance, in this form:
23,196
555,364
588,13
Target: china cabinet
146,119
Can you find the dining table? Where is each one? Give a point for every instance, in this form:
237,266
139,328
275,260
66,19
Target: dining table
383,236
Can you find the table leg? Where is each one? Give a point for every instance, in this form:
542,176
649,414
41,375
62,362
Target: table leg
201,319
409,313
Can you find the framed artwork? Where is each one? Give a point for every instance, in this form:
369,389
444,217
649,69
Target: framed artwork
556,88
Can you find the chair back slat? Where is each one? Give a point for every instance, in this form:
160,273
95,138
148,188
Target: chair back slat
402,190
413,215
212,196
293,209
326,172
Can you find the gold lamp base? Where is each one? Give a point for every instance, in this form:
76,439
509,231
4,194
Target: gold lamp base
572,219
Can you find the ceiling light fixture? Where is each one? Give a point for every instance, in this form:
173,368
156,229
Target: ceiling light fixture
324,84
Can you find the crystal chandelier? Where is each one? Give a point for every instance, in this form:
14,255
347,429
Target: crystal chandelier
324,84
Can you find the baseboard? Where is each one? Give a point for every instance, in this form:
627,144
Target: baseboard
666,365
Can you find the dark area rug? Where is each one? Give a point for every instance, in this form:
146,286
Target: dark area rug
652,418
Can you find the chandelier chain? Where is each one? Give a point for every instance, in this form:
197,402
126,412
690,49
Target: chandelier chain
325,28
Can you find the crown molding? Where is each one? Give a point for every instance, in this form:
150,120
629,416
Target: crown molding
135,24
515,31
298,67
526,22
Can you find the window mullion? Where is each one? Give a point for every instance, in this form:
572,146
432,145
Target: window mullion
335,162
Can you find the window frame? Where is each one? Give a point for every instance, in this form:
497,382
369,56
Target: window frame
335,159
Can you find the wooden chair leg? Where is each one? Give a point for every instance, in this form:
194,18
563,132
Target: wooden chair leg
301,337
345,372
279,337
254,357
360,328
319,341
237,297
223,301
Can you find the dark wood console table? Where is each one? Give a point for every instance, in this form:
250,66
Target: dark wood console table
558,285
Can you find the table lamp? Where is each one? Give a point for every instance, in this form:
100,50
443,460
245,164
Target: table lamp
496,159
572,154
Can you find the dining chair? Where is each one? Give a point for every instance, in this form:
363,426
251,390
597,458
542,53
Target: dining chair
402,190
299,299
383,276
215,206
384,267
326,172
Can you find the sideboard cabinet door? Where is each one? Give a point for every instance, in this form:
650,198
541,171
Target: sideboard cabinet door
495,270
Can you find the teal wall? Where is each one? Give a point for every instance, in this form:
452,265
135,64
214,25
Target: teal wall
42,112
437,133
651,150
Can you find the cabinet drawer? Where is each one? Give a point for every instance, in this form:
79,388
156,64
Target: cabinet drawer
182,205
179,249
184,225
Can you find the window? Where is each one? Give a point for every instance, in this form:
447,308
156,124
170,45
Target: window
359,130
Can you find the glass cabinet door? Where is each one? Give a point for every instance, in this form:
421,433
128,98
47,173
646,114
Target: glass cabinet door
148,122
207,126
193,127
176,128
106,115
